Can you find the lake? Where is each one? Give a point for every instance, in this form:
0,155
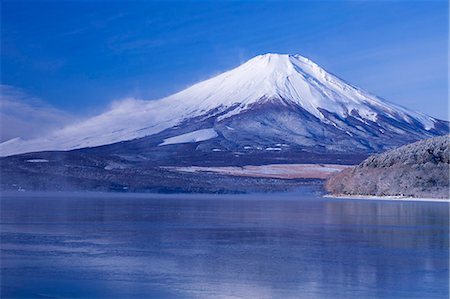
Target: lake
292,245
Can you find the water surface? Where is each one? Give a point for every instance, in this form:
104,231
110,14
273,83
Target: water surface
73,245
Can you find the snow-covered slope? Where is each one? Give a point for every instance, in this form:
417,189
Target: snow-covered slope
310,104
195,136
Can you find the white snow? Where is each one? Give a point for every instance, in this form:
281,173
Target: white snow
285,171
378,197
37,161
195,136
290,79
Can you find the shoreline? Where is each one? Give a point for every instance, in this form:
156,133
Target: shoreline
388,198
75,193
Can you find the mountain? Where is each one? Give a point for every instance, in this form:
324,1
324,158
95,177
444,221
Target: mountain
274,105
420,169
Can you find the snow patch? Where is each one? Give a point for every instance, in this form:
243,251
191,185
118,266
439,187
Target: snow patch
37,161
195,136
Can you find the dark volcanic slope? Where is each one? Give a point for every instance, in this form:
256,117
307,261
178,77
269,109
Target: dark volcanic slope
275,133
420,169
78,171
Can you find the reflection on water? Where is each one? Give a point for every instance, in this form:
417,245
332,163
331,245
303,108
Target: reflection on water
259,246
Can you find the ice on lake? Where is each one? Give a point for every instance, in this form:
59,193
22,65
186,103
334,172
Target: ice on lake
297,245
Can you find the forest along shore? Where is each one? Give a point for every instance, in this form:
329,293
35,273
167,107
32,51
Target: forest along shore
418,170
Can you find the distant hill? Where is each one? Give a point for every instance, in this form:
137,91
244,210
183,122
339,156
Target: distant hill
420,169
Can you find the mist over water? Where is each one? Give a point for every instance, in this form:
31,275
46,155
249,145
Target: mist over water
296,245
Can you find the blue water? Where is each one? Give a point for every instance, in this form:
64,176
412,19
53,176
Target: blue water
221,246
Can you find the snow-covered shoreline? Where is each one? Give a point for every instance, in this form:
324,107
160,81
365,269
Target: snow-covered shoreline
391,198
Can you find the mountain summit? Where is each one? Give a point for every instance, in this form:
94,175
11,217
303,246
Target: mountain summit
273,102
290,80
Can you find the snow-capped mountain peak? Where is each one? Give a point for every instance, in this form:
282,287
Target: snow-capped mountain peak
291,78
287,81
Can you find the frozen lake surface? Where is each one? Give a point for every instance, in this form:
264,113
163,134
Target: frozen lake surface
297,245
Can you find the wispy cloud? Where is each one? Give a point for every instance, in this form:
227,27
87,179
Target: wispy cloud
24,116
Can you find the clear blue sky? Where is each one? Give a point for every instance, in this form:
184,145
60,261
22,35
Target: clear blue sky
79,56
